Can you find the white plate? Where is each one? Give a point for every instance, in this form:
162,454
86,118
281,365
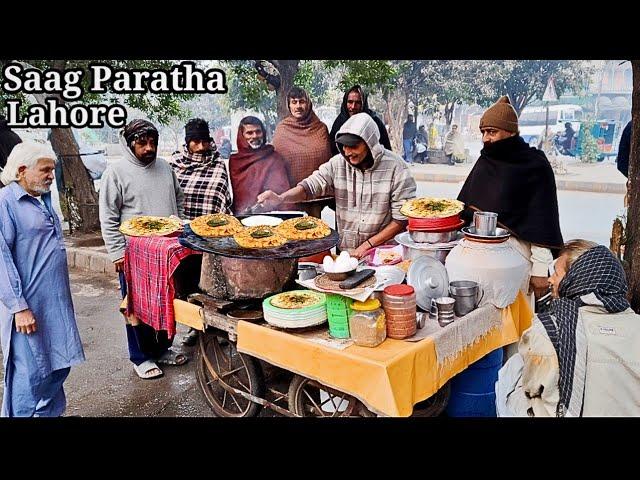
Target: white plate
388,274
256,220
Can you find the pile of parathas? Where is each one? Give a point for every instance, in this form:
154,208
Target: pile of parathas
149,226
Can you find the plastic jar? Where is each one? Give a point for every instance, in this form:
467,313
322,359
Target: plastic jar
367,323
399,303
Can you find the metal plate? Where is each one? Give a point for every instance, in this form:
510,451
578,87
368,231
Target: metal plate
227,246
405,239
388,275
429,279
501,235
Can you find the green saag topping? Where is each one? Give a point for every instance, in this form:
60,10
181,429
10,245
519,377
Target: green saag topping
262,233
217,222
305,225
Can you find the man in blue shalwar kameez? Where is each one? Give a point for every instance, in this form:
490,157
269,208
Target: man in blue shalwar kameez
40,340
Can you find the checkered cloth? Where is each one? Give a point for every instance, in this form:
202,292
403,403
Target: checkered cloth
149,264
205,182
597,271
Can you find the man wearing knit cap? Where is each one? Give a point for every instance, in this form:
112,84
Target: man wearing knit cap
140,184
517,182
201,172
203,178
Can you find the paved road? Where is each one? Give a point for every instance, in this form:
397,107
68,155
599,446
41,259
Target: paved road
106,385
585,215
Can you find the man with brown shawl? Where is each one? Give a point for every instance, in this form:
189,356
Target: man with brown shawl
256,167
302,139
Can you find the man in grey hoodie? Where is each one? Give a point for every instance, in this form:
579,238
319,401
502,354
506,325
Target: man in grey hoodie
139,184
369,183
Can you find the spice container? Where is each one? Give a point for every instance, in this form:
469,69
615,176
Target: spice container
367,323
399,303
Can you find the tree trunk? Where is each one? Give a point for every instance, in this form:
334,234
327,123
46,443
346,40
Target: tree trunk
287,70
632,246
397,102
78,198
449,107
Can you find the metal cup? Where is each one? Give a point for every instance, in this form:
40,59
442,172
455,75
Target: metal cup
443,308
467,295
485,223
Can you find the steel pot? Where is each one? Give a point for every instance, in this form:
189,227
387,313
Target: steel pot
433,237
410,253
229,278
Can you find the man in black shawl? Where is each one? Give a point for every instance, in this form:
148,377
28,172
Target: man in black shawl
355,101
579,357
517,182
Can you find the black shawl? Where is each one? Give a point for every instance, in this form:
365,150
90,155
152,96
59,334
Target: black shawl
517,182
344,116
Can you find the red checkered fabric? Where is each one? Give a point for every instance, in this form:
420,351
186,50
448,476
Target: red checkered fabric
149,264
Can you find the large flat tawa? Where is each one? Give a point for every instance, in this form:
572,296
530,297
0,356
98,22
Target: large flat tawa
227,246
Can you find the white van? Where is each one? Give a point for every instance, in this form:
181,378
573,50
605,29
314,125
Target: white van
532,121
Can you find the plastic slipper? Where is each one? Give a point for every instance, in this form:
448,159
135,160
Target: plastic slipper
146,370
171,357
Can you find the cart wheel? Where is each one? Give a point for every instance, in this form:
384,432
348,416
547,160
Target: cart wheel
217,362
306,400
435,404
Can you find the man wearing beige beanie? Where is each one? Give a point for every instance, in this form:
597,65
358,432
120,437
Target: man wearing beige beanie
517,182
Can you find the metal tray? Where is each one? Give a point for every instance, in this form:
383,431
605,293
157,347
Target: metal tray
227,246
501,235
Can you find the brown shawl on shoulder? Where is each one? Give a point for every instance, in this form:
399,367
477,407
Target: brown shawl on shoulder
304,144
255,171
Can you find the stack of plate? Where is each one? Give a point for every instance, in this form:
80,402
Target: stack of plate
313,312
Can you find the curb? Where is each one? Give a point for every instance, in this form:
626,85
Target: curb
571,185
89,260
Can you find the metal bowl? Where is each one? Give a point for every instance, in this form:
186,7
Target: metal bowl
339,276
433,237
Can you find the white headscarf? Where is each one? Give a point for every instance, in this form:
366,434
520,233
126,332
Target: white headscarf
26,153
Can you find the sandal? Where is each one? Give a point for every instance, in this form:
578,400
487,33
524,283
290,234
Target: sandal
171,357
148,370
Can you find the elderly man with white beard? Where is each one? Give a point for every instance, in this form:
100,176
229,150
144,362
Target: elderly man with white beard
40,340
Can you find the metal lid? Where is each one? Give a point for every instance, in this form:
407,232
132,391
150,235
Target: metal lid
399,290
430,280
366,306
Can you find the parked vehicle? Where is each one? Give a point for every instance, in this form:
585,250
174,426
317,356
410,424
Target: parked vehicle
532,121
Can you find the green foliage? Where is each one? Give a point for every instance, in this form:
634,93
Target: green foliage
525,80
589,146
373,75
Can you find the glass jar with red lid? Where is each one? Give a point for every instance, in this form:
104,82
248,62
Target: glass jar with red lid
399,303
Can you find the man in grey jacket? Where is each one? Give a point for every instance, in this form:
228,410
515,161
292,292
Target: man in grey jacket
139,184
369,183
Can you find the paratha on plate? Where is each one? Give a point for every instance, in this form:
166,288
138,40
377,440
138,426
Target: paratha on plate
149,226
216,225
431,207
296,299
303,228
261,236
